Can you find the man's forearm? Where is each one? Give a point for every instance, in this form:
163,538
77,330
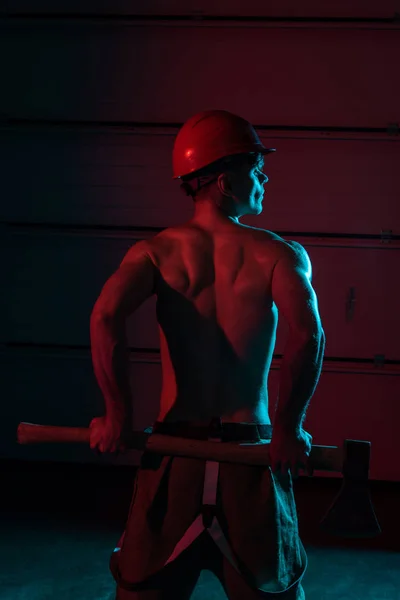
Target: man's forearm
300,373
110,358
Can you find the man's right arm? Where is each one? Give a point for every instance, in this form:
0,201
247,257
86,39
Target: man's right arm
302,362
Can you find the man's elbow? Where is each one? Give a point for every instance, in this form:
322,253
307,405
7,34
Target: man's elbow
307,330
101,316
107,318
318,335
98,313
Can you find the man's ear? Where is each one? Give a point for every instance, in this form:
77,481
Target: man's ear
224,184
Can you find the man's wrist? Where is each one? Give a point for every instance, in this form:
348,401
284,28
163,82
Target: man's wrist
286,425
119,415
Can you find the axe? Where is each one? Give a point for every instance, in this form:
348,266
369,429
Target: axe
350,515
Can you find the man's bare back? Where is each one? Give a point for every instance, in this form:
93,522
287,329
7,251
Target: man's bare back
217,321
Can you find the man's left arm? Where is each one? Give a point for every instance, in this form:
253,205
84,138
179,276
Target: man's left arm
122,294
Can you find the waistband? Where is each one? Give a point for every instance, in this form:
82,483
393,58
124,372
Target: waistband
226,431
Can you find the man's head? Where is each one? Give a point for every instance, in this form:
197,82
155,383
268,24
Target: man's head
219,158
234,186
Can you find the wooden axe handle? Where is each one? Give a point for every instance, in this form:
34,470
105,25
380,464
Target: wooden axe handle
323,458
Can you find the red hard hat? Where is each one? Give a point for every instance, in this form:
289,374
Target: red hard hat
209,136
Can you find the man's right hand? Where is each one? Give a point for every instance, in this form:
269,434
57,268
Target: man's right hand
290,450
109,434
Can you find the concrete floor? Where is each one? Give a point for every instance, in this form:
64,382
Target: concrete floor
60,523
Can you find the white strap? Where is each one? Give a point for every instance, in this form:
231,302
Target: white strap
188,538
210,483
197,527
210,497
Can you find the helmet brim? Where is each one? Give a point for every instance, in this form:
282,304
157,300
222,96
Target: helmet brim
262,151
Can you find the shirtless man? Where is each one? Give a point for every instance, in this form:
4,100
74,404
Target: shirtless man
219,287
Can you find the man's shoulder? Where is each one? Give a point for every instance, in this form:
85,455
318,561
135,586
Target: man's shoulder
163,243
270,238
166,238
280,248
292,251
281,242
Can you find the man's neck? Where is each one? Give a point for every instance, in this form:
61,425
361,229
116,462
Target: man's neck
207,214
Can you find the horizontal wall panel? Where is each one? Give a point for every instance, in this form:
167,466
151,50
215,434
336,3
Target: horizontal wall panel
61,390
286,8
163,73
54,281
316,184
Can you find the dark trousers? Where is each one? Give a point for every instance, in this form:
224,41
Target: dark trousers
255,508
178,579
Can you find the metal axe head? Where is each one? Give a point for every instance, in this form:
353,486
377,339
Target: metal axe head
351,513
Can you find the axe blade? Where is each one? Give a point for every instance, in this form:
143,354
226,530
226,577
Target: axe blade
351,513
